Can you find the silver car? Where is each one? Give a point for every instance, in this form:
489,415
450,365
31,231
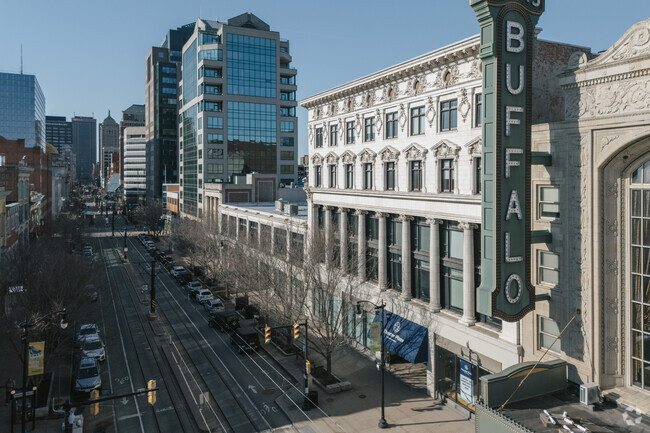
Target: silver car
86,331
88,376
93,347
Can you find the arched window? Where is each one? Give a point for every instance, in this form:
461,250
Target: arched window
640,275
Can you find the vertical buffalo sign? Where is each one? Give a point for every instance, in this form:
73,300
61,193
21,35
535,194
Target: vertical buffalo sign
507,34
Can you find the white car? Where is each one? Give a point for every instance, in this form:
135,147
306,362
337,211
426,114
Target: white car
176,270
204,295
87,331
93,347
213,305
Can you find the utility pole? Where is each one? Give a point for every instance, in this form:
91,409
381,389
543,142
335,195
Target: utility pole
152,312
307,403
113,235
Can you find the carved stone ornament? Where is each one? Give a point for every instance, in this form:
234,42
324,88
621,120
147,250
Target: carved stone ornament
357,126
464,105
416,85
415,152
311,134
369,99
389,154
390,92
341,130
367,155
446,149
349,105
577,60
606,140
402,117
333,109
317,159
379,122
431,111
325,134
475,147
634,43
446,77
348,157
317,114
475,70
332,158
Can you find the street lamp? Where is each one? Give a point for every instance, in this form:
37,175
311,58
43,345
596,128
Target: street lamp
25,338
381,308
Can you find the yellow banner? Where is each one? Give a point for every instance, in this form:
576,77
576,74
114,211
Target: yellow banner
36,358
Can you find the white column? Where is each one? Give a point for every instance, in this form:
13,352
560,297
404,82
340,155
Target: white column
361,266
344,238
406,256
236,227
382,249
272,239
289,233
434,265
311,225
248,231
469,291
328,234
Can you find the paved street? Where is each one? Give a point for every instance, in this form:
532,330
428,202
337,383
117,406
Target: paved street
204,383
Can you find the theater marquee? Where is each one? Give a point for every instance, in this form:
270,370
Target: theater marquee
507,30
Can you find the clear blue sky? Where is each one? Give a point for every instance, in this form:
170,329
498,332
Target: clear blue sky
89,55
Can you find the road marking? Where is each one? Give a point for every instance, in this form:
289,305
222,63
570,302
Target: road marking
119,330
122,418
252,388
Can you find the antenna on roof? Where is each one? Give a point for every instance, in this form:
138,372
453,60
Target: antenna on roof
21,59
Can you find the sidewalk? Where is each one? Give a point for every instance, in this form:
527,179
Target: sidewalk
407,408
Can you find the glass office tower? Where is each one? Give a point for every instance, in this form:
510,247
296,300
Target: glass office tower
22,109
238,105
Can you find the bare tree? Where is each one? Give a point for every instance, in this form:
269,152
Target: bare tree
150,214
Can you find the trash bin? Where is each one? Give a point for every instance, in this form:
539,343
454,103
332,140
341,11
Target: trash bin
311,401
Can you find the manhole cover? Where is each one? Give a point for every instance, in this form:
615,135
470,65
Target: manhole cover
362,396
268,391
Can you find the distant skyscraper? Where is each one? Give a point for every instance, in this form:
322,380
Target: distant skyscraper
84,146
132,116
109,144
58,131
163,70
22,109
239,105
134,163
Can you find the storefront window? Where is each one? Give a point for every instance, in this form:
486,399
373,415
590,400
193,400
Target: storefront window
457,378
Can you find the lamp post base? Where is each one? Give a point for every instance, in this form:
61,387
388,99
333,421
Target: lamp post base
383,423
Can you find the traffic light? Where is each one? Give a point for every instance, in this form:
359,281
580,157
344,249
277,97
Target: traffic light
267,334
151,395
308,366
94,407
296,331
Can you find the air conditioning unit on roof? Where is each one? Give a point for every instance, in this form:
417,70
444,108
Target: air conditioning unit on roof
589,393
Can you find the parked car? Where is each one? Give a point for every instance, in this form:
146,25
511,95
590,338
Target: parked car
93,347
86,331
88,376
225,321
203,295
213,305
245,339
88,250
184,277
193,285
176,270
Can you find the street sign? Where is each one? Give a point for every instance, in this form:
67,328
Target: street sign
506,51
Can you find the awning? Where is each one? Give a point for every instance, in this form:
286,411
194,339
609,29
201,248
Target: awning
405,338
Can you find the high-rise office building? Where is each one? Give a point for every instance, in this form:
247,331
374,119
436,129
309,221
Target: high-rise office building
163,69
238,105
108,145
58,131
134,163
84,146
132,116
22,109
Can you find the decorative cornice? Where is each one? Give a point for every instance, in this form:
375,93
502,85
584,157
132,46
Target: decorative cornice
438,60
415,151
445,149
608,79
